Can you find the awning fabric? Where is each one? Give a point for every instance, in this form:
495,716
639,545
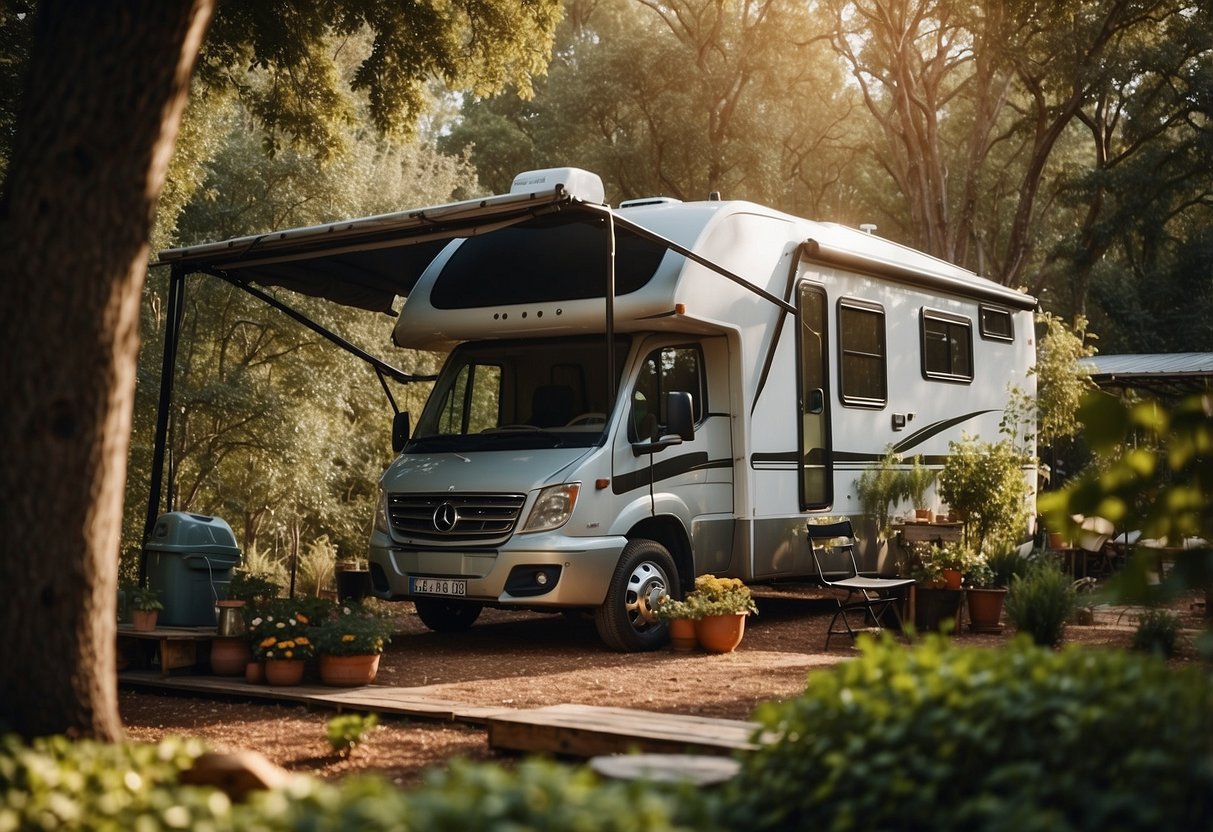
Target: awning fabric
366,263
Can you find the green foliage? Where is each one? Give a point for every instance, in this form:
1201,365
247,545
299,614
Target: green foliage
252,587
143,598
984,482
346,731
1157,632
1160,481
880,488
57,783
317,567
1040,603
353,630
719,596
1005,563
918,478
945,738
1061,381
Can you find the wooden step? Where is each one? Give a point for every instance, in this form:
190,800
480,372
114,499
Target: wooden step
589,730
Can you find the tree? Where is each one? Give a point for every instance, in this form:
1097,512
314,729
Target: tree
103,95
104,92
679,99
1001,123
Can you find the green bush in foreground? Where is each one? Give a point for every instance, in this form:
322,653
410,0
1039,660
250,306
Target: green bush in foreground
1019,738
935,737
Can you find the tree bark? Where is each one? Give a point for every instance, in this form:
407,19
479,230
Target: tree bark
104,91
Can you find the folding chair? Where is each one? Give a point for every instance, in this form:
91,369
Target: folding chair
870,597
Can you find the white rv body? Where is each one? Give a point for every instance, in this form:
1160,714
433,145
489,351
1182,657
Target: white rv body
802,346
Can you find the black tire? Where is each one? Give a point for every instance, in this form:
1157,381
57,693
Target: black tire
625,621
443,616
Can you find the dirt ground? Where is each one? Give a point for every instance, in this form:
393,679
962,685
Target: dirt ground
527,660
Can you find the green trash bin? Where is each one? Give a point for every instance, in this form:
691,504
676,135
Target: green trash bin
190,558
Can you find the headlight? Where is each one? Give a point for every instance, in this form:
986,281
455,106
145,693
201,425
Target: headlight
381,521
553,507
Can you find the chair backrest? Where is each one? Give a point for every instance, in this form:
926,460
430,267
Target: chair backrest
552,406
828,538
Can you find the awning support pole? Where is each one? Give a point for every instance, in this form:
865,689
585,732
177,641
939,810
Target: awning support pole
172,333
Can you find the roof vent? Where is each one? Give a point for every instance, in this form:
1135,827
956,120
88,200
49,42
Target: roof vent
868,227
576,182
714,196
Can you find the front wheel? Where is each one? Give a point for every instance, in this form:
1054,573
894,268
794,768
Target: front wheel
443,616
627,619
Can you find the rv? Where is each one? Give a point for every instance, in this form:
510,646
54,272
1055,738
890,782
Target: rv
634,396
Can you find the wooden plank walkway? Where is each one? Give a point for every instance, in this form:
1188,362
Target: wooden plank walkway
589,730
565,730
409,702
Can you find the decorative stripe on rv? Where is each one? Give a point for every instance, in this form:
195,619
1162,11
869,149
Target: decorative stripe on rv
666,469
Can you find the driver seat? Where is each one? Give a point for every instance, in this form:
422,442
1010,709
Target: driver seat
551,406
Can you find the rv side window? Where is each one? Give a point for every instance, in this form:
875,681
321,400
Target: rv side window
947,346
996,323
862,347
664,371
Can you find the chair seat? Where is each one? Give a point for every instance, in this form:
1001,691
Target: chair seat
871,584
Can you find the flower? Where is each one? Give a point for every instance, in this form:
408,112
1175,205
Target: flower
711,596
281,632
353,631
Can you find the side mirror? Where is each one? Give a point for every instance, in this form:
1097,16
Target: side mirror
680,415
400,431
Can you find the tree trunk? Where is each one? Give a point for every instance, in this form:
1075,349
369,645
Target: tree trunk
103,96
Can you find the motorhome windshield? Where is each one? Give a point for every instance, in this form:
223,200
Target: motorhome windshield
498,395
527,263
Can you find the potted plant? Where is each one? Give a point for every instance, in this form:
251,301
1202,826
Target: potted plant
723,604
231,651
280,637
350,643
952,561
984,483
983,597
680,618
918,478
145,607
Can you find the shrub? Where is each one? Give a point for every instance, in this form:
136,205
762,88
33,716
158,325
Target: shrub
1040,602
1157,632
345,731
940,737
984,482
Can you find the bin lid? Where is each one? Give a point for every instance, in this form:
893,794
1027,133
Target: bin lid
181,531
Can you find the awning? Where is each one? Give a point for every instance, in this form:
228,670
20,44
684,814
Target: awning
366,262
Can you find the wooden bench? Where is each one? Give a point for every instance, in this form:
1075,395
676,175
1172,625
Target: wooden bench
177,647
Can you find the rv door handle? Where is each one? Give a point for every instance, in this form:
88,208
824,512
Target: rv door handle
817,400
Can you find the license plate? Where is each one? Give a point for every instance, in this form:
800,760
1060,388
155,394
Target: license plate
438,586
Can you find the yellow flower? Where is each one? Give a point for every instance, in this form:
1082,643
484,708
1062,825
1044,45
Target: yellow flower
289,654
302,640
287,645
347,638
269,641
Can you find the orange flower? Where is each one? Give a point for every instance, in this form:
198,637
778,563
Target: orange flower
347,638
269,641
301,618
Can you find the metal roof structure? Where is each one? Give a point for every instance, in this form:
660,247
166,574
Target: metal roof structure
1164,374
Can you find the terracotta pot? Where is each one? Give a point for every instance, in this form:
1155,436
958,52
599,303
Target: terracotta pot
144,620
1058,541
284,672
254,673
720,633
348,671
682,635
985,609
952,578
923,514
230,655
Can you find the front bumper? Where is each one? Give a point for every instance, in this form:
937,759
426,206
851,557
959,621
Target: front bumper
582,568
